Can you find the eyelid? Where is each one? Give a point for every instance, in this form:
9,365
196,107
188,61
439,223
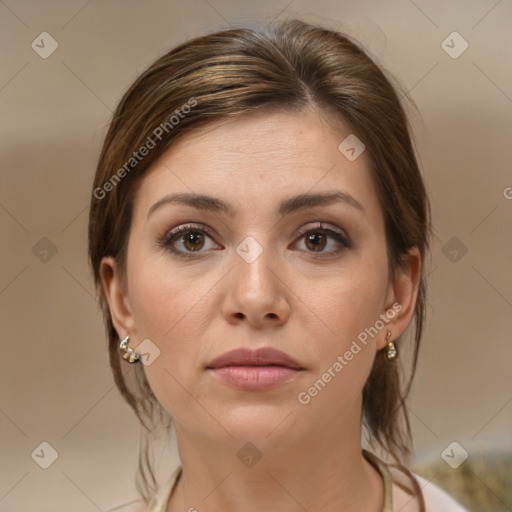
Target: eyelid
322,226
338,234
165,239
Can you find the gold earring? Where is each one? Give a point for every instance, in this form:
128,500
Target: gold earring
392,351
129,354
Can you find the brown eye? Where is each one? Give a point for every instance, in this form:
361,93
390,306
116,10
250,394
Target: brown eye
193,241
319,239
316,241
185,240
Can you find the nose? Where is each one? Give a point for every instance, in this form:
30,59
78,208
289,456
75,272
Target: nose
256,289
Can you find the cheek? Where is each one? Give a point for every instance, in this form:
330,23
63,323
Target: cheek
168,312
345,355
173,311
347,310
351,300
165,301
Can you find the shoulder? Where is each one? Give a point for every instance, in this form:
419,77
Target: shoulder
436,499
406,494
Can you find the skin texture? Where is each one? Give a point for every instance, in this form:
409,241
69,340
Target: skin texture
310,305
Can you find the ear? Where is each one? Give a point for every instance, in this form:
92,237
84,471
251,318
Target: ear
117,296
401,297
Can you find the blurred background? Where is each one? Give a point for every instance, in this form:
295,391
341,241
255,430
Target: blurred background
67,440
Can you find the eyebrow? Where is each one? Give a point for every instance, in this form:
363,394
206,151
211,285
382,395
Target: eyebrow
287,206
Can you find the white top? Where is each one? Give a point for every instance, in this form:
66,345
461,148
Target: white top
436,499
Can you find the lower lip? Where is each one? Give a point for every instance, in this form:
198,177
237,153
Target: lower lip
255,378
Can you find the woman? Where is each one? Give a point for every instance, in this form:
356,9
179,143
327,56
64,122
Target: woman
257,234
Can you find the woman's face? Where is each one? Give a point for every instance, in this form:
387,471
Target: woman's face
259,272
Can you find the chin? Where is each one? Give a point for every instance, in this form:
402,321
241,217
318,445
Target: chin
263,425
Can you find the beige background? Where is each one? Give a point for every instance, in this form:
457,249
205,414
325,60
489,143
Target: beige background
55,383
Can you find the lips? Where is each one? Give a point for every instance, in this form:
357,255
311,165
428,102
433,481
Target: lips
255,370
265,356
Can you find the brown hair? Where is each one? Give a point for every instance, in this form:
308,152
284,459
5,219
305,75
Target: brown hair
291,66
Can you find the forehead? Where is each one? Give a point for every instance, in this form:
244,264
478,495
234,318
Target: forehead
252,159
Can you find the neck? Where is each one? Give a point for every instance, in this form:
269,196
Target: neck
321,471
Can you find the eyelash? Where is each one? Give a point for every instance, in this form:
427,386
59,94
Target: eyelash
166,240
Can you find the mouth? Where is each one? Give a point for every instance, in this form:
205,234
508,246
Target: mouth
255,370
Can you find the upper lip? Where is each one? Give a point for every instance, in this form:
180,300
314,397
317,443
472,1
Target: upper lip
265,356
